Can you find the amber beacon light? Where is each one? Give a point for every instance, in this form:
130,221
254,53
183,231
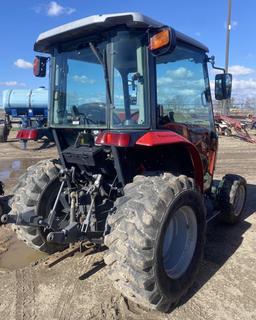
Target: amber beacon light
160,40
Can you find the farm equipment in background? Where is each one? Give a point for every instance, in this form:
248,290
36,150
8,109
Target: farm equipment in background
137,154
29,108
222,127
251,121
225,125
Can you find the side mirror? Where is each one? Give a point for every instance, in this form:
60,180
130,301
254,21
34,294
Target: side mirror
223,86
162,41
39,67
132,87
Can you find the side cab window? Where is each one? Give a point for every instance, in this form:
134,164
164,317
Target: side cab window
183,89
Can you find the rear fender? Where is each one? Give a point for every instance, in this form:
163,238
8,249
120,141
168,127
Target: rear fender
157,138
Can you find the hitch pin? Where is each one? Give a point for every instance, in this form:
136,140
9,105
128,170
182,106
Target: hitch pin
52,212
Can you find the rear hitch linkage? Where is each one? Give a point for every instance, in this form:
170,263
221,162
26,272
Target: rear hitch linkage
74,231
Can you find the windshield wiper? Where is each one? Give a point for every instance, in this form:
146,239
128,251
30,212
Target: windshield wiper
102,60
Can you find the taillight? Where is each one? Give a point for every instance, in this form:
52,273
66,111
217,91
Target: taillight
113,139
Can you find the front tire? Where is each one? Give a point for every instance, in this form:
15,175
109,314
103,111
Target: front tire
156,240
232,197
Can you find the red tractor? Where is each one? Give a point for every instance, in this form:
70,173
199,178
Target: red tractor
131,115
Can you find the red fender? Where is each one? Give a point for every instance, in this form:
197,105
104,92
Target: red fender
157,138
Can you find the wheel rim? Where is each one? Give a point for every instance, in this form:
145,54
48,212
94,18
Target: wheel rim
239,200
179,242
46,204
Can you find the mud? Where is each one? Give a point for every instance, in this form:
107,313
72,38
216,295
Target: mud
78,287
14,160
16,254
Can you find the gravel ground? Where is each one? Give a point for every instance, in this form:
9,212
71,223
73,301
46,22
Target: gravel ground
78,287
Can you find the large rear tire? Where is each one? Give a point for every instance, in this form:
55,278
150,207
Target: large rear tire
156,240
37,189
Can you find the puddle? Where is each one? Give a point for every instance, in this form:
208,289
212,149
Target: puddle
7,167
19,255
10,170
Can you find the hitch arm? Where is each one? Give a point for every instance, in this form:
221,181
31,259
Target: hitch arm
27,218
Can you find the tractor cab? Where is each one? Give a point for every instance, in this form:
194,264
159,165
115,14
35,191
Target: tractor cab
125,72
117,77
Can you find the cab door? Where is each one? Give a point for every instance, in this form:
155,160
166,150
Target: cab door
184,101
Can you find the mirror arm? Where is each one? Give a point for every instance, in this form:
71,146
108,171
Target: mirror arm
136,77
211,60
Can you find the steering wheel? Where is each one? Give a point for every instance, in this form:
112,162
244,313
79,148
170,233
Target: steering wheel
75,113
135,113
94,112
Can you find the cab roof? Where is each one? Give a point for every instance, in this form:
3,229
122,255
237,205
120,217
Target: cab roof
98,23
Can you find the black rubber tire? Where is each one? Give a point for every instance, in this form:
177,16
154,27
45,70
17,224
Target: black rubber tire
3,133
137,228
39,180
4,207
1,210
226,197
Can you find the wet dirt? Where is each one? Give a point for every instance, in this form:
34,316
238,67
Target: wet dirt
10,170
14,160
78,288
15,254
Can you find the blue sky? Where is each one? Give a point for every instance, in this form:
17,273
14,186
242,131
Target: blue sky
22,21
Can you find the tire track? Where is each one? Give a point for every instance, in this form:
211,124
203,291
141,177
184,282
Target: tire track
25,295
65,306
